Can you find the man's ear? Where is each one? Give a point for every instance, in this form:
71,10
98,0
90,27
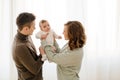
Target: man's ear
26,28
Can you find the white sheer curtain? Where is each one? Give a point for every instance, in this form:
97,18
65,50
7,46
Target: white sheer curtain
101,61
5,38
101,19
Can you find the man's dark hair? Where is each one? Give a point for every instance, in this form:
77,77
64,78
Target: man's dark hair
24,19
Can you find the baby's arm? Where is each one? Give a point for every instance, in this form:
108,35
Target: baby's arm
44,36
56,36
38,35
41,36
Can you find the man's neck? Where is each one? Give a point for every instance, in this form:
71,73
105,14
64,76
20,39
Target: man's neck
23,32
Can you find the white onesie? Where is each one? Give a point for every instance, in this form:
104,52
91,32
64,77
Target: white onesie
50,37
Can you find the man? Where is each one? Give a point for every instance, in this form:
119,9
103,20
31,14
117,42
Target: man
28,63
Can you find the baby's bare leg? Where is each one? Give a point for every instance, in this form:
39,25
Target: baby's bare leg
42,52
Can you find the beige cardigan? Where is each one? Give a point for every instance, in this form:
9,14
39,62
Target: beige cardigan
68,61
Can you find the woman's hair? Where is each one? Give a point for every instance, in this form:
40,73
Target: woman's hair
24,19
76,34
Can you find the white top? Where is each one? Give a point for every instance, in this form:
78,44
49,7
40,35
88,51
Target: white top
50,37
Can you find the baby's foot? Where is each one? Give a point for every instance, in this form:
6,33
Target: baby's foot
44,57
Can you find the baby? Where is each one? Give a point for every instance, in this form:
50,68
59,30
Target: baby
46,33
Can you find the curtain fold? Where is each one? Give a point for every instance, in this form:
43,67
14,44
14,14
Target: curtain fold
5,38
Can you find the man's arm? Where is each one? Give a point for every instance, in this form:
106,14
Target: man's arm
27,60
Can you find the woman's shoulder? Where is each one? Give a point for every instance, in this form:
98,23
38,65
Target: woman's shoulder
76,51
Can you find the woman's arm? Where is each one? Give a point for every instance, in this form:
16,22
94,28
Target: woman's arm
66,57
27,60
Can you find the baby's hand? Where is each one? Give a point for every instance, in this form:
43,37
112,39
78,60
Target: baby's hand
53,49
44,36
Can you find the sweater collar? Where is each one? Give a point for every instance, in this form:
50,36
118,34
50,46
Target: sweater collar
22,36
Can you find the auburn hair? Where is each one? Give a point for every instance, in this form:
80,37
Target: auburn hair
76,34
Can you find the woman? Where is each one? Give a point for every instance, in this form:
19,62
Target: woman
69,58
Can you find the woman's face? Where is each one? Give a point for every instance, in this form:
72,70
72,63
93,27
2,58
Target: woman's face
65,33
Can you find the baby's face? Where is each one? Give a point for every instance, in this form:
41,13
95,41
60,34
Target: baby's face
45,26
